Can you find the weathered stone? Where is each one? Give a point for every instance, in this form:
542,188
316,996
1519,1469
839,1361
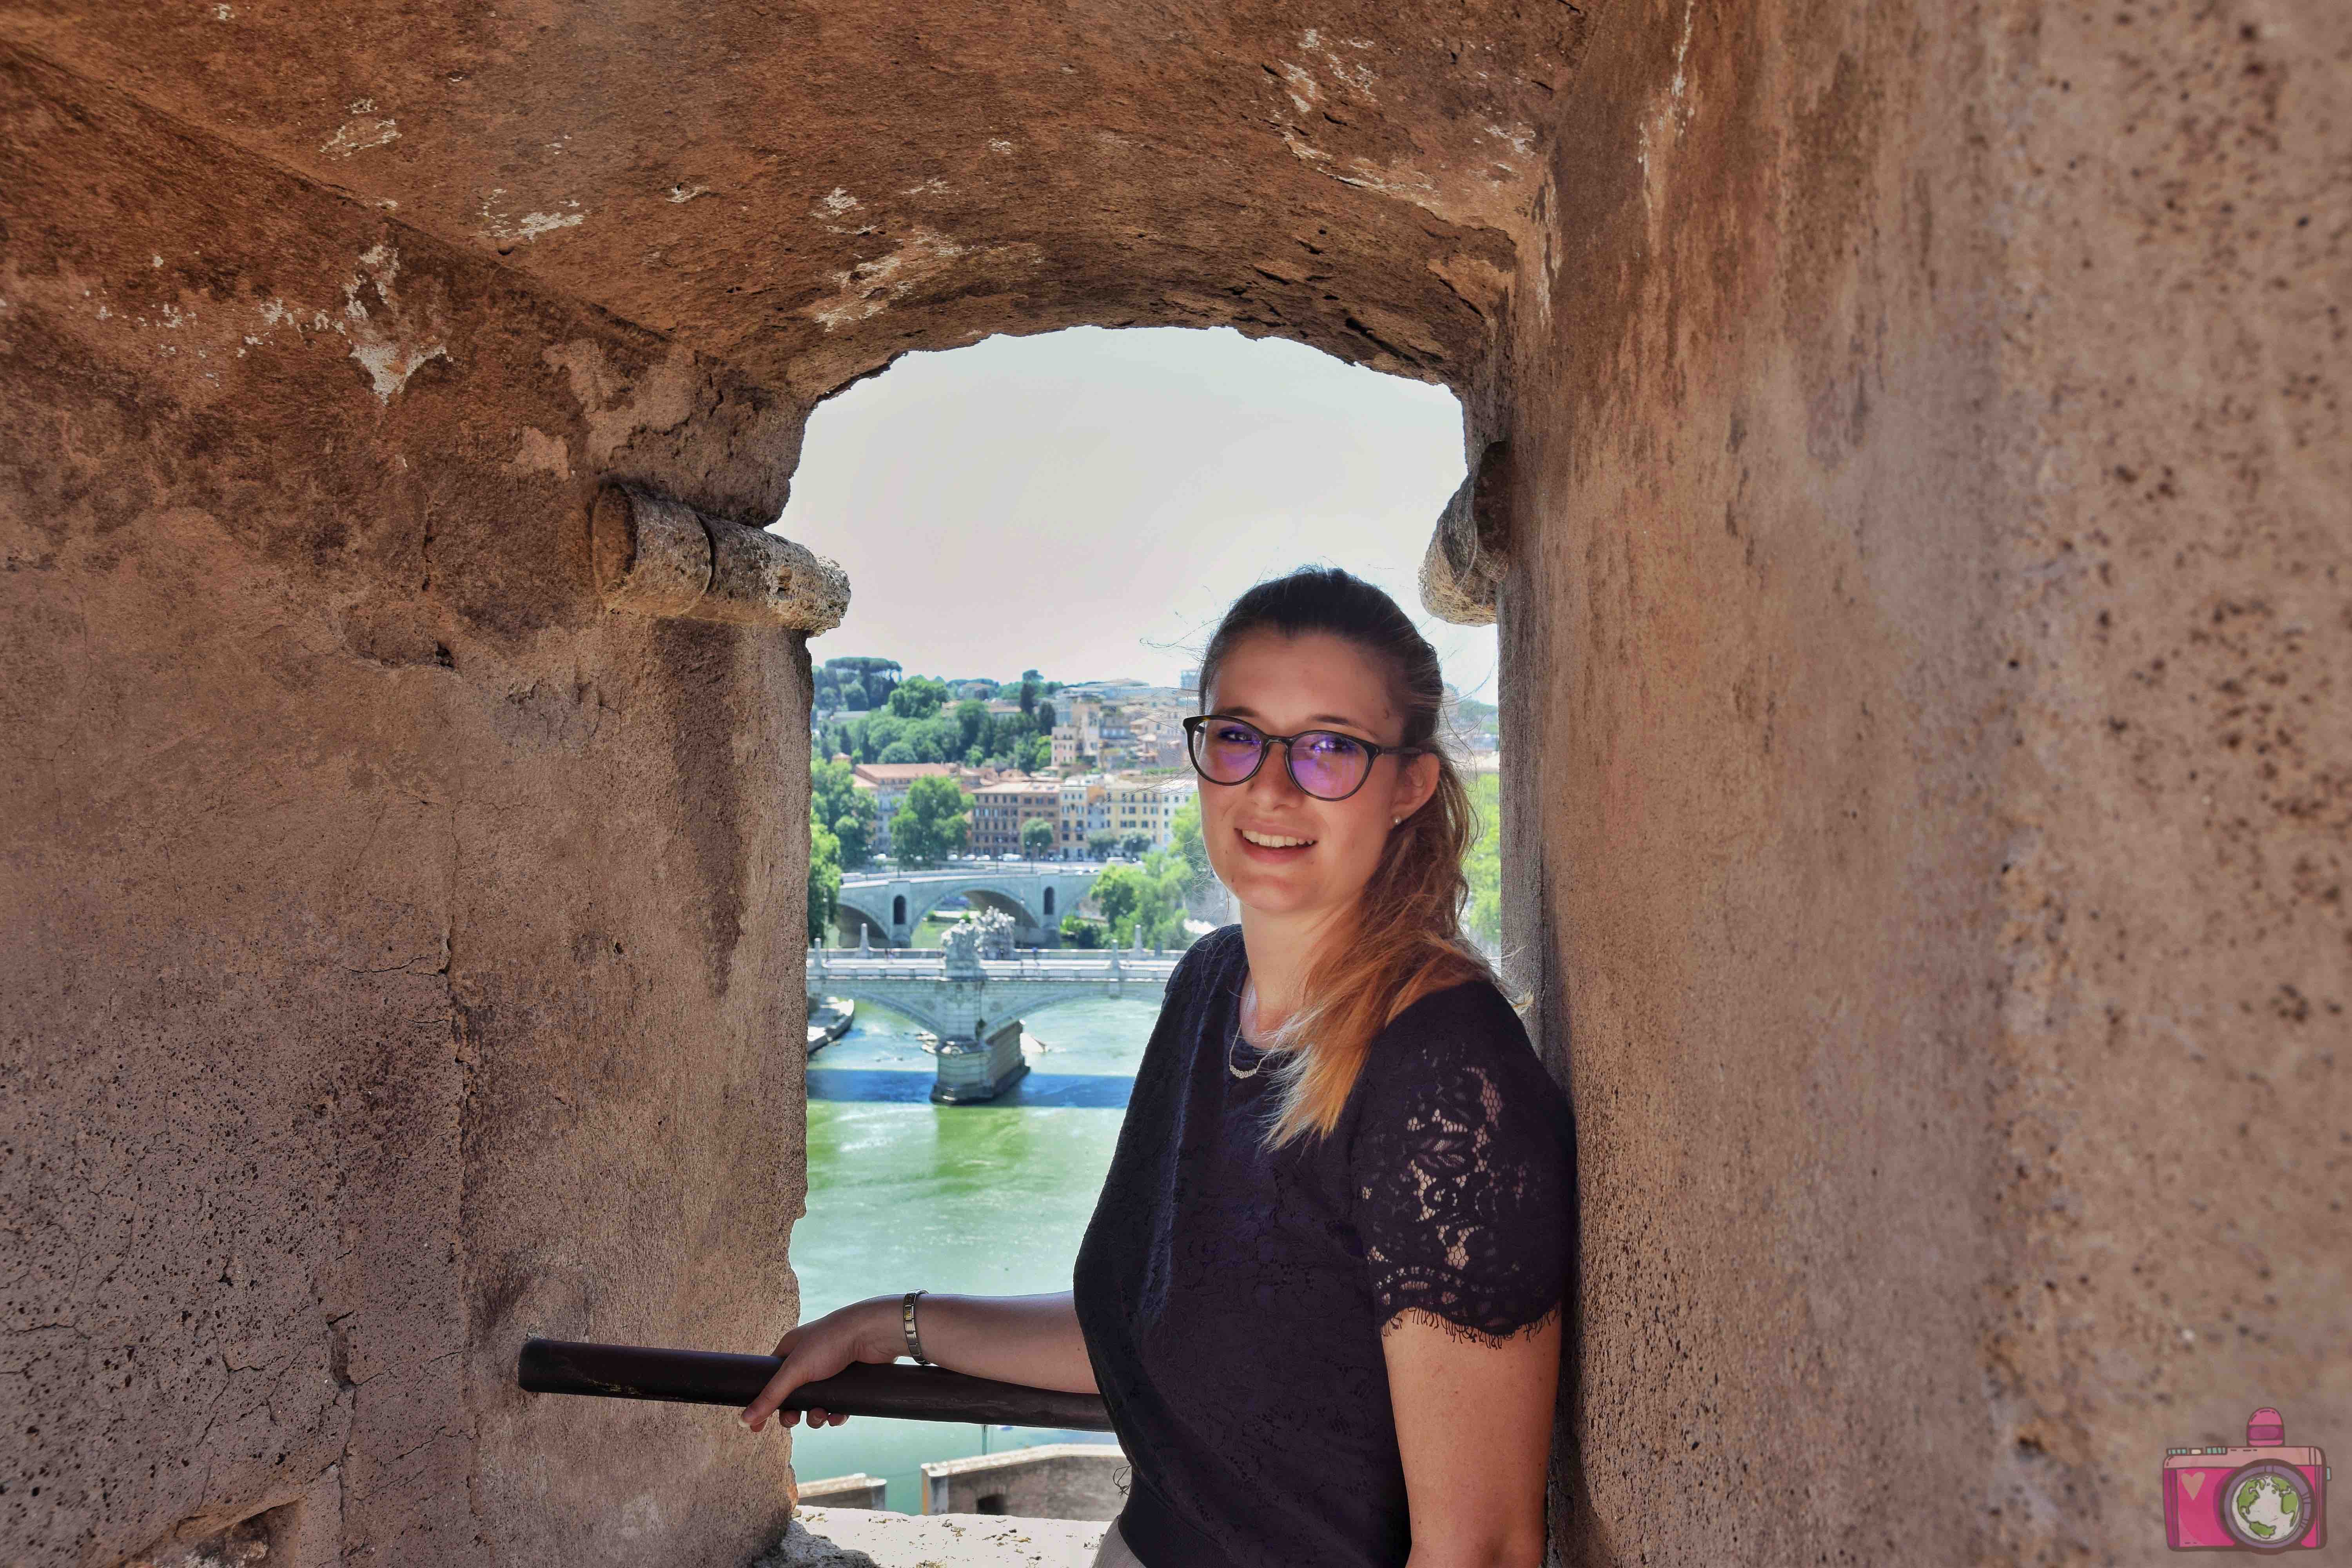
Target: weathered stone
801,1549
939,1541
1467,556
396,943
653,556
660,557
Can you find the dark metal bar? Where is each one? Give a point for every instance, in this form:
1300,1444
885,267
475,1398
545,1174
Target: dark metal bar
714,1378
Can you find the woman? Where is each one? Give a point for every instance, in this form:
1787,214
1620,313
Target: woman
1321,1291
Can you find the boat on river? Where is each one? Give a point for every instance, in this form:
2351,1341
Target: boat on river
829,1018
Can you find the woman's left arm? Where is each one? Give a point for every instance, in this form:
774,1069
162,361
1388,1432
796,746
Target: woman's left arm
1474,1428
1464,1165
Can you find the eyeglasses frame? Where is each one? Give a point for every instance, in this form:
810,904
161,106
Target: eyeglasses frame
1192,722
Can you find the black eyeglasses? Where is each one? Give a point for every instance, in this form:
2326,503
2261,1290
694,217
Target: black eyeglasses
1324,763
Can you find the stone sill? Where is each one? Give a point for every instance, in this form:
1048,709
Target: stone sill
869,1538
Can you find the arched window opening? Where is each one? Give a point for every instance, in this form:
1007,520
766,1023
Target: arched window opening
1029,601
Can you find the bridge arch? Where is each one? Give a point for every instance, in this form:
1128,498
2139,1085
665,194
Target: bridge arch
987,898
889,906
892,997
853,921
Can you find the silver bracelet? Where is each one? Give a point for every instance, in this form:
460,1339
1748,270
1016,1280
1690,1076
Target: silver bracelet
907,1323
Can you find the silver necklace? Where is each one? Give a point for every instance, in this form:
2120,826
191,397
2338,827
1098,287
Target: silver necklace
1249,995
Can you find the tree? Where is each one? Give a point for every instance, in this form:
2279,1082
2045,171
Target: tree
1078,930
1484,864
862,683
917,697
1144,903
934,823
823,881
877,734
1036,837
1117,892
1184,837
1135,846
1044,719
1100,843
837,804
972,725
1030,687
1035,754
937,739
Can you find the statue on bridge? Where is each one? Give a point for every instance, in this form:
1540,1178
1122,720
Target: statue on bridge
987,934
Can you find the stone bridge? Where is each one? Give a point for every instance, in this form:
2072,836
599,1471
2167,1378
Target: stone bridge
885,907
976,1006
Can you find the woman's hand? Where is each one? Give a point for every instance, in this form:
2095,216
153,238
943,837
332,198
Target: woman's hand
863,1330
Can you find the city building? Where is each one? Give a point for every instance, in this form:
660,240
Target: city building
1000,811
1145,805
889,781
1085,801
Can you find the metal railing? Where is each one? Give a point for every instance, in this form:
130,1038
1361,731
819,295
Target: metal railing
715,1377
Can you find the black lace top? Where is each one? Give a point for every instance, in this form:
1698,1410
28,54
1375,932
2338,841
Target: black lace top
1233,1301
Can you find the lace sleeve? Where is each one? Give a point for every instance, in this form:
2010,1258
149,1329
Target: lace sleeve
1464,1188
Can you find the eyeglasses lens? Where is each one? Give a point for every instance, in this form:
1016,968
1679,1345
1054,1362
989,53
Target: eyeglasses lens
1327,764
1227,749
1324,763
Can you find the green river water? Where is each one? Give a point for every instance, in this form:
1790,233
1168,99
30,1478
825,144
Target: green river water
987,1199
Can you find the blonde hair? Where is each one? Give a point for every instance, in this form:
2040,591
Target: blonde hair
1406,939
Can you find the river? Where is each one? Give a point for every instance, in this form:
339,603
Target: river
983,1199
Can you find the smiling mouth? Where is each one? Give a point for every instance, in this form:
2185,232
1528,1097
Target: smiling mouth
1275,840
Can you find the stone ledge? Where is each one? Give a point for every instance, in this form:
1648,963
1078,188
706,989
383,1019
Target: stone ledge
869,1538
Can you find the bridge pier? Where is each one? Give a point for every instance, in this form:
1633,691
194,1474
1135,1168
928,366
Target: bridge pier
979,1068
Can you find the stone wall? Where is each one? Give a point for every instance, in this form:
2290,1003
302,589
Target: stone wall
403,952
1925,657
1049,1480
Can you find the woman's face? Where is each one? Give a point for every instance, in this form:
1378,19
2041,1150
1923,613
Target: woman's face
1281,850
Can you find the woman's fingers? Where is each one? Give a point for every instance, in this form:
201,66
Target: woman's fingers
809,1353
777,1389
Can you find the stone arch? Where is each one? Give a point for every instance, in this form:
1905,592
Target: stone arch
996,899
1048,902
924,1017
849,921
1033,1005
898,909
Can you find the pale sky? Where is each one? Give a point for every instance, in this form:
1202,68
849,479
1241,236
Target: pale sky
1087,502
